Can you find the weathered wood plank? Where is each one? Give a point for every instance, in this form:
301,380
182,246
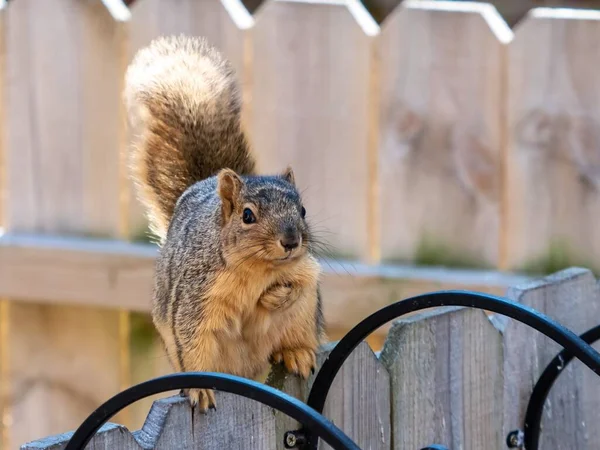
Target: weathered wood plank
358,401
572,297
311,75
292,385
222,22
63,176
446,380
553,158
440,133
109,436
238,423
57,105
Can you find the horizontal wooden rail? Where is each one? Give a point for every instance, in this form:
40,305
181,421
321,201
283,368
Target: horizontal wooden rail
117,274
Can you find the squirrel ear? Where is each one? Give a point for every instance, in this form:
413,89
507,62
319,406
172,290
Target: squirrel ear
288,175
229,185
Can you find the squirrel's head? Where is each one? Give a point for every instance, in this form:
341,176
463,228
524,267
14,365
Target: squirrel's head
262,217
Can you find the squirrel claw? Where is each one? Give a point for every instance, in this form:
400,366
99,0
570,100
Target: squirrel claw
299,361
203,399
276,358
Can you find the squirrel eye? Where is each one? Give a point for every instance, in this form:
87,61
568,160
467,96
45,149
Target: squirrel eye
248,216
303,212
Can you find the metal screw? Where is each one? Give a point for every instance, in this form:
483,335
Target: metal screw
515,439
294,439
290,440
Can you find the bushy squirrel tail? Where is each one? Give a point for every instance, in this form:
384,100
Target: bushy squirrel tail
183,104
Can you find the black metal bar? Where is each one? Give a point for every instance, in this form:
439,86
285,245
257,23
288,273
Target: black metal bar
221,382
563,336
535,407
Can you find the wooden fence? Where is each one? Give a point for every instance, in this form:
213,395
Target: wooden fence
454,376
437,137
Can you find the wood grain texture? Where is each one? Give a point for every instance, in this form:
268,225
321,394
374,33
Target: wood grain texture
222,22
553,160
446,380
62,118
238,424
311,69
63,176
358,401
292,385
440,133
571,297
109,436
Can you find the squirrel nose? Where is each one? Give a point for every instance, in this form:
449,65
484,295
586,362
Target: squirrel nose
289,243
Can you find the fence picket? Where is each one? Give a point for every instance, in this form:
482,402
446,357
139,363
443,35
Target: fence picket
63,176
441,133
572,297
109,436
446,380
311,74
359,399
553,156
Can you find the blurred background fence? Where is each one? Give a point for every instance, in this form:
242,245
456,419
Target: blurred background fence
438,146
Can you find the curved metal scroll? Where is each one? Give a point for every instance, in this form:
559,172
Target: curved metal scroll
221,382
563,336
535,407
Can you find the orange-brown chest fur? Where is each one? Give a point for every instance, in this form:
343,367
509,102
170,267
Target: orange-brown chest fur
247,333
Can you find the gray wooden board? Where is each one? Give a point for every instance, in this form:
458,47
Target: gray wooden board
110,436
358,401
238,423
572,297
440,131
292,385
446,380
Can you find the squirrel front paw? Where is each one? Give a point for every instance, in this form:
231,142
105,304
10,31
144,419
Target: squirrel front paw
204,399
276,297
299,361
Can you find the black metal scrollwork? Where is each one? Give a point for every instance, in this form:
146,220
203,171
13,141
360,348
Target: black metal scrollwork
535,407
563,336
221,382
316,426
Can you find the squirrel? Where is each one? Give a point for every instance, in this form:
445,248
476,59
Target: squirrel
236,279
